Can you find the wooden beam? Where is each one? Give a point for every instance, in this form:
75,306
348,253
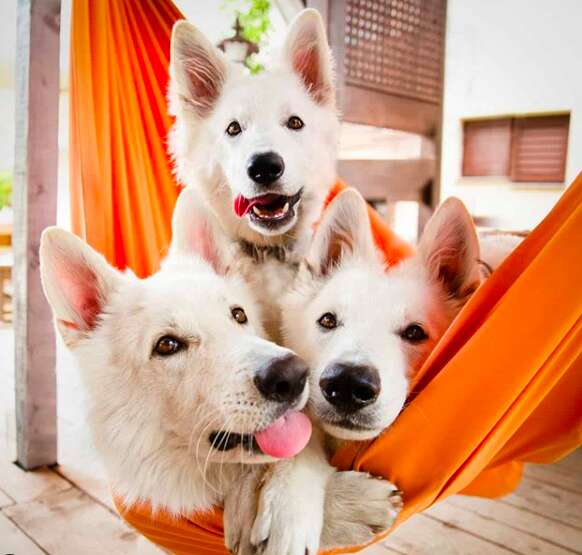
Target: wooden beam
35,204
388,179
386,110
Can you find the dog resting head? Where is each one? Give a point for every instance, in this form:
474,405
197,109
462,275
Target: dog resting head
363,329
260,149
178,374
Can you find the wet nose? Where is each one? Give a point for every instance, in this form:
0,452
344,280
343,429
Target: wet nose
266,168
350,387
283,379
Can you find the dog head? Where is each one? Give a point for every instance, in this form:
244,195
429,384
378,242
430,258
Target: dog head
363,329
175,365
261,149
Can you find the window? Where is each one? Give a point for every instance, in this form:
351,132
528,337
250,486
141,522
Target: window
523,149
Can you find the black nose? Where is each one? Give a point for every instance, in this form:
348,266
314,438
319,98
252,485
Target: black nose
266,168
350,387
282,380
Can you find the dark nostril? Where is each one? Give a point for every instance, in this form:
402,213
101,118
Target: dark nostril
350,387
266,168
282,380
365,394
282,388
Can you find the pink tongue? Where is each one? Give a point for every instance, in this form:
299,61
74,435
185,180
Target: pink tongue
286,437
241,206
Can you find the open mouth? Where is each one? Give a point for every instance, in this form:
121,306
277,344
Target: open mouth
270,210
284,438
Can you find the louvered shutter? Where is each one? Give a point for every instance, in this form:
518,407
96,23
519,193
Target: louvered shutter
539,148
487,147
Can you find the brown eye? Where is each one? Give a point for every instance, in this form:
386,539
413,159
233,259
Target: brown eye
168,345
414,333
295,123
233,128
239,315
328,321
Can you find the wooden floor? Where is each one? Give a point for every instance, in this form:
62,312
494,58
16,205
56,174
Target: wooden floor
67,510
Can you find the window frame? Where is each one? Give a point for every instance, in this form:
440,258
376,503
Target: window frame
517,125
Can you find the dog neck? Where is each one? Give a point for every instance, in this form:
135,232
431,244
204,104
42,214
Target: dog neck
263,253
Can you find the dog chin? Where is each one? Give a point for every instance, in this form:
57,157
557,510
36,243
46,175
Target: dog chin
350,433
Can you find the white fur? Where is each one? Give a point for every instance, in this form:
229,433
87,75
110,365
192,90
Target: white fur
496,247
344,276
151,416
207,93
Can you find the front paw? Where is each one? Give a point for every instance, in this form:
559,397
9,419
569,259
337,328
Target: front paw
240,509
290,514
357,507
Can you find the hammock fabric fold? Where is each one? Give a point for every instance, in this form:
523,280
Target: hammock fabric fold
504,385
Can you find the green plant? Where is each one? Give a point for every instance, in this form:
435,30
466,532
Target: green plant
254,19
5,189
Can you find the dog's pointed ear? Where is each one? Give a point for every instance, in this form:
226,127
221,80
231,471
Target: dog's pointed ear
77,282
344,231
449,248
193,232
307,51
197,68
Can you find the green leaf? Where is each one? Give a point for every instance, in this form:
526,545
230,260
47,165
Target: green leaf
5,189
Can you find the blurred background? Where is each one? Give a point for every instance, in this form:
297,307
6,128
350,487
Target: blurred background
479,100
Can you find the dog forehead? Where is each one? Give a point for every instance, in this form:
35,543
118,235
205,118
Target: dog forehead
269,93
184,292
368,295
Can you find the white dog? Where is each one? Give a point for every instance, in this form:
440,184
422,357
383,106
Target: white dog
364,330
179,376
260,150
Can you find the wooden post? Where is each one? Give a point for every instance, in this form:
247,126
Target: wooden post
35,206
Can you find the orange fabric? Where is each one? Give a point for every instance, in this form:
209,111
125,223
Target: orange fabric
393,247
122,187
503,386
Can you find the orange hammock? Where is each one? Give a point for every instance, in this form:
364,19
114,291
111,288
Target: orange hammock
503,387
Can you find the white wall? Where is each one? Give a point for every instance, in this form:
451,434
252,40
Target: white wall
510,57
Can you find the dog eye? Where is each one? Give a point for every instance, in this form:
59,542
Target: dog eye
239,315
295,123
414,333
233,128
168,345
328,321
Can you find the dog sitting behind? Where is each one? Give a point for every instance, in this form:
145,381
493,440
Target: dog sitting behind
259,150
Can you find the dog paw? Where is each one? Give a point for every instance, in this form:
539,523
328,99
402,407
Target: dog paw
240,509
358,506
290,515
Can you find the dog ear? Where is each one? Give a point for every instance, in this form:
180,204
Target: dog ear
450,249
307,51
197,68
344,231
77,282
193,232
